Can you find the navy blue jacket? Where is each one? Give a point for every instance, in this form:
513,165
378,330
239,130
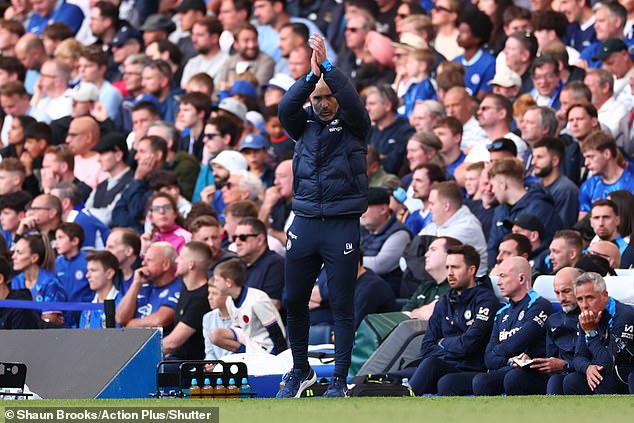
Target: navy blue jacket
390,143
536,201
518,328
267,274
329,164
465,322
130,209
617,320
562,330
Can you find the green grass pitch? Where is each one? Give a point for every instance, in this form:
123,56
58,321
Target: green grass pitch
596,409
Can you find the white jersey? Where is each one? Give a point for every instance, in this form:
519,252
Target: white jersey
252,314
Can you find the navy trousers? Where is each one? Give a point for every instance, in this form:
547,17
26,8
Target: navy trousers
577,384
333,242
521,381
428,373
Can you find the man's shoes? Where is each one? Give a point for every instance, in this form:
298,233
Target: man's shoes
296,382
337,388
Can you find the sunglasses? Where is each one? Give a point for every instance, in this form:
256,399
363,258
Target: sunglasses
158,209
243,237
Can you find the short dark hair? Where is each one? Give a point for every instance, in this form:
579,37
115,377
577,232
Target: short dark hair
95,54
173,53
12,65
256,225
200,101
226,126
57,31
550,20
107,260
211,24
130,238
72,230
523,243
151,107
469,254
16,201
479,23
157,144
232,269
38,131
163,178
109,11
555,147
605,203
513,12
450,122
543,60
435,173
298,28
527,40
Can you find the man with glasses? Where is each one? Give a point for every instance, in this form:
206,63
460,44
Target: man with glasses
547,82
43,214
265,268
357,27
54,96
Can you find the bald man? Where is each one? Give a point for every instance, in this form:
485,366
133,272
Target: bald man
31,53
459,104
276,206
83,135
609,251
546,375
519,328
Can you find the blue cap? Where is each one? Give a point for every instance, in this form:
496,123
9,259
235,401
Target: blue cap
240,86
126,33
253,141
148,98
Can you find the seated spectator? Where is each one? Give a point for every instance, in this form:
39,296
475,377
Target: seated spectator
276,212
565,250
265,268
608,251
425,115
43,215
12,211
193,111
512,245
12,176
34,259
582,120
185,342
102,269
83,136
37,137
472,180
166,223
58,165
256,324
218,317
532,228
605,220
383,238
208,230
15,318
49,11
93,64
281,143
254,148
152,298
449,132
377,176
112,151
166,181
16,138
125,245
419,65
70,265
95,231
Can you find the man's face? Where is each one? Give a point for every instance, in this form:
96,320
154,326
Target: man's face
42,212
421,118
228,15
438,208
324,102
81,108
188,116
571,8
250,247
506,249
152,81
90,71
298,63
604,222
43,7
96,275
97,23
247,44
9,182
154,262
488,113
108,160
498,188
563,287
48,77
421,184
202,40
471,181
466,39
143,151
141,120
374,217
78,138
288,41
436,255
377,108
132,77
515,53
284,180
459,275
213,140
596,161
592,81
186,19
231,191
450,142
7,39
441,15
210,235
10,219
122,52
604,25
509,280
542,162
183,262
354,32
580,123
618,64
458,105
416,154
115,245
590,300
221,175
531,126
264,12
560,254
14,105
545,79
51,164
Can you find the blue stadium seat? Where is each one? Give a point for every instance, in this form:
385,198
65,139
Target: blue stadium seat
319,334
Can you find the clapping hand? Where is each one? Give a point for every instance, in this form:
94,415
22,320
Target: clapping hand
316,42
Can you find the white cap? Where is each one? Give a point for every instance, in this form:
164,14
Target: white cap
85,91
506,78
233,106
231,160
281,81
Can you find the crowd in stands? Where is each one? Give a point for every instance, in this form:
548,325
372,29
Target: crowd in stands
143,161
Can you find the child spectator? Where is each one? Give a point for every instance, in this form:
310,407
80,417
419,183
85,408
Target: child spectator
256,324
254,149
218,317
12,211
282,145
418,67
71,262
102,270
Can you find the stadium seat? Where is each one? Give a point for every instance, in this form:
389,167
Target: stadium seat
319,334
543,285
624,272
496,289
621,288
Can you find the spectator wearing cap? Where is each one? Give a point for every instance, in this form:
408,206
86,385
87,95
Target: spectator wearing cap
275,89
514,198
450,217
49,11
53,95
93,63
210,58
188,12
248,58
151,155
532,228
546,81
548,155
236,111
474,31
611,113
506,83
193,111
389,132
520,50
83,135
502,148
157,27
615,59
223,165
291,36
609,22
243,91
383,238
126,43
156,81
112,151
254,148
445,16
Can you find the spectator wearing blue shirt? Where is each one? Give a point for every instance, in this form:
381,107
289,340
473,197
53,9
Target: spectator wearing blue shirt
30,51
70,264
152,298
473,33
519,51
101,272
609,21
34,258
418,67
125,245
547,81
157,77
93,64
580,32
602,161
449,132
605,221
46,12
